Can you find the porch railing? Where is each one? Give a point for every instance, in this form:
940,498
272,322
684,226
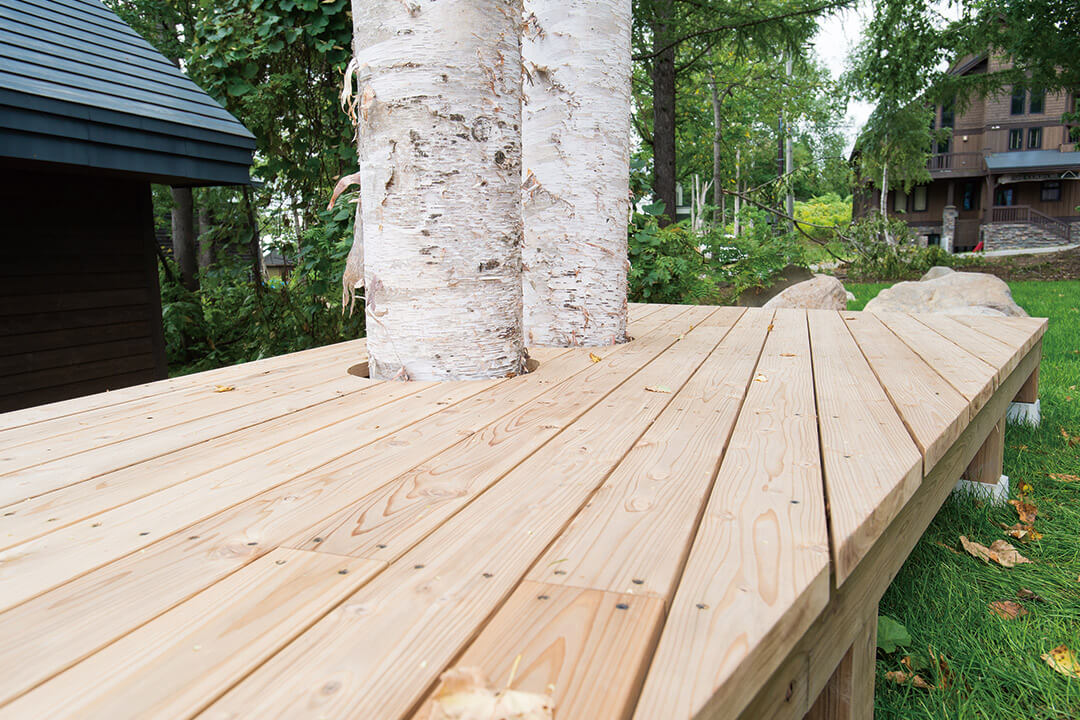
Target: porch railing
956,162
1031,216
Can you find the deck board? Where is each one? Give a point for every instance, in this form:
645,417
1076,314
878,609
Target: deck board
871,465
644,526
932,410
757,573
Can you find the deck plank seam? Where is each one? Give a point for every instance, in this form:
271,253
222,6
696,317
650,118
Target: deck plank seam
967,351
833,549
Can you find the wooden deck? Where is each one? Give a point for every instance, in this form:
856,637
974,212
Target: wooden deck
697,524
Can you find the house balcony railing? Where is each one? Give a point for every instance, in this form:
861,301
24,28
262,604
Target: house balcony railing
957,162
1016,214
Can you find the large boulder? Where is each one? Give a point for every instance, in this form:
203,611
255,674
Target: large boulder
954,293
935,272
758,296
821,292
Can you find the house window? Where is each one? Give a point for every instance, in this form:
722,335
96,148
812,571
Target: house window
948,114
1034,138
918,199
1051,191
899,201
1018,97
1038,101
1004,196
1016,139
933,239
970,198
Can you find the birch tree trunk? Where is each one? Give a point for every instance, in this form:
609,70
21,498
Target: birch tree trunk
439,87
576,152
717,152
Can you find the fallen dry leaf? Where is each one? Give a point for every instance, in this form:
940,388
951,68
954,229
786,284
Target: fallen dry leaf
1026,511
658,388
1007,609
1063,661
1063,477
464,693
999,551
1021,532
224,388
1070,440
1025,594
760,378
594,357
902,678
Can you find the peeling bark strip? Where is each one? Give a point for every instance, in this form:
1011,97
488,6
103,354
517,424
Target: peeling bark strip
576,145
440,162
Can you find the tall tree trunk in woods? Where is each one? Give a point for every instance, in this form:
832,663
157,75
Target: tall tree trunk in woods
207,251
738,190
883,206
663,79
576,151
183,237
439,87
254,245
718,193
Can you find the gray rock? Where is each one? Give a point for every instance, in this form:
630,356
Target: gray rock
953,293
821,292
790,275
935,272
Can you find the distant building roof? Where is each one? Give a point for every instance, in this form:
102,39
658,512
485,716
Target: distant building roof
1032,159
79,87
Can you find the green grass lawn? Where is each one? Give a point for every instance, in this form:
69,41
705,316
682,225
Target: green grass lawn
942,594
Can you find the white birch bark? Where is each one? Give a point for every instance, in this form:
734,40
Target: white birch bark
439,87
576,155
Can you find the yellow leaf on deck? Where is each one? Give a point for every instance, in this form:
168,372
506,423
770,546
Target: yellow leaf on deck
224,388
1064,661
1007,609
760,378
1062,477
594,357
999,551
464,693
658,388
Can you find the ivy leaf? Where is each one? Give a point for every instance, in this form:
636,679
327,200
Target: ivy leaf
891,634
656,208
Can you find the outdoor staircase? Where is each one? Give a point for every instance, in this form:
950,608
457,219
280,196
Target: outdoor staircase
1049,227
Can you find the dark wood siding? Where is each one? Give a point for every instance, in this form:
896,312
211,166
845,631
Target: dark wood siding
80,310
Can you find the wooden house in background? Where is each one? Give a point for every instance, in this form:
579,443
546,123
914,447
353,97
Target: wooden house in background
1009,176
90,116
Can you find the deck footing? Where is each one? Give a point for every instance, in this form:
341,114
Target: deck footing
1024,413
996,493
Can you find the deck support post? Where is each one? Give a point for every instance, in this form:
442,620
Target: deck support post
1024,409
849,694
983,477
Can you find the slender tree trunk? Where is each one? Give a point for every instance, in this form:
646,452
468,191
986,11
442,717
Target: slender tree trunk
254,246
718,194
738,190
440,161
789,198
576,148
663,79
183,237
885,199
205,241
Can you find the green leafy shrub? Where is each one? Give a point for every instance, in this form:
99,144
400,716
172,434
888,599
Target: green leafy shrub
885,249
227,321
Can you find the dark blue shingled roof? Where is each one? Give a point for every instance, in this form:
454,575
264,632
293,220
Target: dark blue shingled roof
79,87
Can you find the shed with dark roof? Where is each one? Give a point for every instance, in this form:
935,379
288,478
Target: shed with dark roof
90,115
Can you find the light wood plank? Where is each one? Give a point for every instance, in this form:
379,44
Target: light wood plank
809,666
871,464
34,566
970,376
176,665
396,516
635,532
1001,356
588,648
932,410
414,618
51,440
757,574
264,367
1022,333
986,466
35,479
51,631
